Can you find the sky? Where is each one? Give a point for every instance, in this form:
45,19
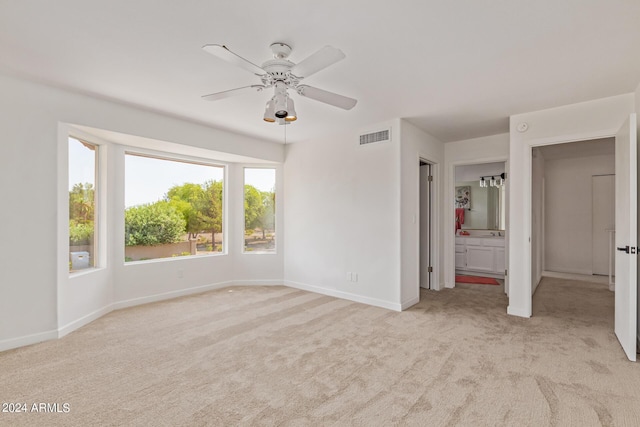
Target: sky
147,180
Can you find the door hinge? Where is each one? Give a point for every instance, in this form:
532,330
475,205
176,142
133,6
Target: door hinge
505,272
430,178
430,269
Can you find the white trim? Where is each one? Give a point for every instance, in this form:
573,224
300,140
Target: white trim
410,303
523,240
25,340
78,323
253,282
169,295
345,295
518,312
450,239
173,157
569,271
577,137
243,168
581,277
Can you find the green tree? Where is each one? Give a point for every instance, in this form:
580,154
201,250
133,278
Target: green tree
81,214
153,224
188,199
210,209
259,209
253,207
267,219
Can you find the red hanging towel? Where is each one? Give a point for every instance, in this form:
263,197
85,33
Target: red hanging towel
459,218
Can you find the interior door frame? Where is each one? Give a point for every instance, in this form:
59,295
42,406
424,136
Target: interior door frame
449,213
526,311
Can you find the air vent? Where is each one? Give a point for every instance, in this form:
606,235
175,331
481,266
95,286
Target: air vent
373,137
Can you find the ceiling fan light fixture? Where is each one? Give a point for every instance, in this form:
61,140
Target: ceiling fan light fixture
281,106
269,112
291,111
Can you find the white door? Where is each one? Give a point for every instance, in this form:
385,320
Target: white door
425,226
626,237
603,203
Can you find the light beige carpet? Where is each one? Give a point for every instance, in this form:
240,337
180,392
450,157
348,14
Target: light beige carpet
280,356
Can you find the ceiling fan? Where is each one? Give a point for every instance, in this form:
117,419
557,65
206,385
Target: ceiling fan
282,74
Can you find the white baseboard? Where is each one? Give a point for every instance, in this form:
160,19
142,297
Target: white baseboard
273,282
410,303
568,271
12,343
515,311
22,341
345,295
79,323
169,295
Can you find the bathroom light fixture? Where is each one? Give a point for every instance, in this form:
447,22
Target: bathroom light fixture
491,181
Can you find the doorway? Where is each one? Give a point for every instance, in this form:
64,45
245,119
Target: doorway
479,194
573,210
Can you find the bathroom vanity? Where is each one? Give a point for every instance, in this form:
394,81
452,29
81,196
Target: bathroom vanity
480,255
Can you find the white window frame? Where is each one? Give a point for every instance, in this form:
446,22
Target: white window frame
275,219
100,198
165,155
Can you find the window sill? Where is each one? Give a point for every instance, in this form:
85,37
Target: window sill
173,259
85,272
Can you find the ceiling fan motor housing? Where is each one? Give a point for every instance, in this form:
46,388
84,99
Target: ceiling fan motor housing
280,50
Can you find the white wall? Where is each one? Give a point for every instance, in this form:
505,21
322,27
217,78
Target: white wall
487,149
569,212
588,120
342,214
416,144
473,172
537,219
31,263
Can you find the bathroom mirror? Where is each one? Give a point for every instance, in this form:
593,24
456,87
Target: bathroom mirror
483,206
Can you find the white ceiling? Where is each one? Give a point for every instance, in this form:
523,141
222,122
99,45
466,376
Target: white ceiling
457,69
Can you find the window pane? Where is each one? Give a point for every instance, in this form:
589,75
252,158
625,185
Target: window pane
172,208
259,210
82,212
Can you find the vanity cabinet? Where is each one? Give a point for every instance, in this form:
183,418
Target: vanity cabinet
478,254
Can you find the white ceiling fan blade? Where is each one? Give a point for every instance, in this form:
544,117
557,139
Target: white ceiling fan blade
223,52
232,92
327,97
321,59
